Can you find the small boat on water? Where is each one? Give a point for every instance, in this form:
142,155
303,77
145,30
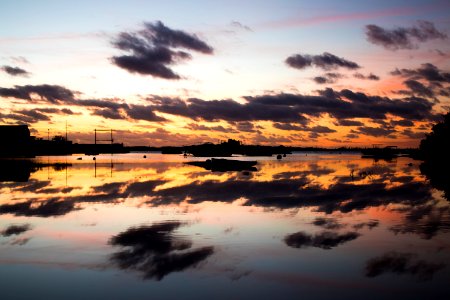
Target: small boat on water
223,165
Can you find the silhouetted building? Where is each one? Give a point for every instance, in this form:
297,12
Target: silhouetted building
14,140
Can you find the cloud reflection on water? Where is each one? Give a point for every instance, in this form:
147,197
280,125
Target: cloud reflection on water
241,227
327,188
155,251
402,263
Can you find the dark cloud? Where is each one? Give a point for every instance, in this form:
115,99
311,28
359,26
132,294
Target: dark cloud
220,128
321,129
51,93
325,240
404,123
154,50
155,251
418,88
228,110
445,92
352,136
313,135
328,78
103,103
64,111
349,123
315,129
326,61
20,118
14,71
427,71
399,107
366,77
143,112
33,114
402,263
113,109
321,80
159,34
413,134
108,113
358,105
376,131
288,126
15,229
153,63
293,108
245,126
403,37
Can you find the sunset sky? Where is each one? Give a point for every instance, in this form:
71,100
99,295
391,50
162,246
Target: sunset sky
299,73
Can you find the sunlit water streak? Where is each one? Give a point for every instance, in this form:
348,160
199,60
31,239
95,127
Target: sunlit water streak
125,226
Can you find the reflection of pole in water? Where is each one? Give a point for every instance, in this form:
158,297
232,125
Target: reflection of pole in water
111,166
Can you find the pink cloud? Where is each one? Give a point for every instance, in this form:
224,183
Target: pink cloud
299,21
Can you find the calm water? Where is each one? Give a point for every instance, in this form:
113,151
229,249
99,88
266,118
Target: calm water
314,226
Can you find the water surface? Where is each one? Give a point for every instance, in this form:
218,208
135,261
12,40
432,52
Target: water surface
312,226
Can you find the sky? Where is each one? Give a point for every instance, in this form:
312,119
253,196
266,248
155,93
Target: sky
296,73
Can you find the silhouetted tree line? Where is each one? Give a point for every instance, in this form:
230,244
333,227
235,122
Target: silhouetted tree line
435,151
436,145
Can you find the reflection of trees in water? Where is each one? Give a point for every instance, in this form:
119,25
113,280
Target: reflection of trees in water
438,173
155,251
426,220
435,149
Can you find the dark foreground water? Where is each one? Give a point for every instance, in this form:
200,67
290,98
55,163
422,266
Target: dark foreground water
306,227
